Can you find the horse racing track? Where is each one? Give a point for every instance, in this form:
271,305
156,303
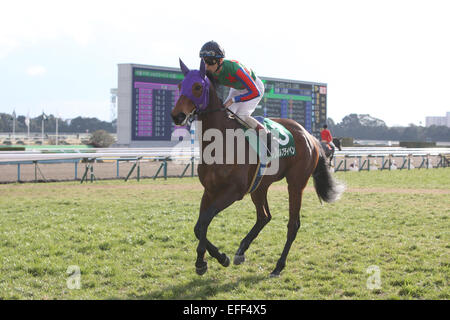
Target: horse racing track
387,238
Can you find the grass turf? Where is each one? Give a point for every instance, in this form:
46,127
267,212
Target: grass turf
135,240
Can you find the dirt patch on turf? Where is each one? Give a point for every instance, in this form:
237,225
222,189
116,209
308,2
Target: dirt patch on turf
379,190
170,185
397,190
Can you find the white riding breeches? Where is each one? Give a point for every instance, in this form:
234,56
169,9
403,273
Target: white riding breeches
245,108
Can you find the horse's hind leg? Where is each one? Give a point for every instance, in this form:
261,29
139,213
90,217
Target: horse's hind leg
295,202
263,216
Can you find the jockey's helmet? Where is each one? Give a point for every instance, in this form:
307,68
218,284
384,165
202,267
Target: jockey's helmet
211,51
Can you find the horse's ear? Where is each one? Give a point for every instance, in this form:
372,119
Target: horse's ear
202,68
183,67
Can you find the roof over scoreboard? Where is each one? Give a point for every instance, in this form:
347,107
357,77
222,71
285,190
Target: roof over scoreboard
146,95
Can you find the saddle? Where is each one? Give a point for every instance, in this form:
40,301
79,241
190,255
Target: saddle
282,145
326,145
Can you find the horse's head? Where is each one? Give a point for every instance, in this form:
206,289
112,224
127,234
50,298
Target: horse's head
194,93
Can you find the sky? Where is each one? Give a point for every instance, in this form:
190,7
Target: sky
389,59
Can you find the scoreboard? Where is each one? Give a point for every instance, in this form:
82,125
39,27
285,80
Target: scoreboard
155,93
304,102
147,95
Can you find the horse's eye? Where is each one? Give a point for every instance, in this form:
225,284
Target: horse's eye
197,90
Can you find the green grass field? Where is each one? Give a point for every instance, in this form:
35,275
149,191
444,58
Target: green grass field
135,240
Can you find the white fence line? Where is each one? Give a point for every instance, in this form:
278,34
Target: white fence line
186,152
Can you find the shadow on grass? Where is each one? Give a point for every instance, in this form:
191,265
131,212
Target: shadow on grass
199,288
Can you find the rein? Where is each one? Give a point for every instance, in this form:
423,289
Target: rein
200,112
206,111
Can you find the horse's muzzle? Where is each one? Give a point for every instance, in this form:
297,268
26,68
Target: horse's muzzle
179,118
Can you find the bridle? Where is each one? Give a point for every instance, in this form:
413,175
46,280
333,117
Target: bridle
206,111
194,113
200,103
197,112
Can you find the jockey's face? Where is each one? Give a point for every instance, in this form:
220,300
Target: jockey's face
212,67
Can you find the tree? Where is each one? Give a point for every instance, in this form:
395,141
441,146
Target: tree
101,139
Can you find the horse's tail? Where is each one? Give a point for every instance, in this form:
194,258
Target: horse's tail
328,188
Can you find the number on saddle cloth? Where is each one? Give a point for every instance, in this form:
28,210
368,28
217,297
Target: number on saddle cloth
285,146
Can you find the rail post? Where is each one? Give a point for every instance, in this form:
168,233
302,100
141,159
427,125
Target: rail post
136,163
158,171
165,168
86,170
339,165
441,158
185,169
139,170
424,159
35,171
92,172
404,162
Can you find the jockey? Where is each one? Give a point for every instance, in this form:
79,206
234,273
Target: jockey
327,138
246,89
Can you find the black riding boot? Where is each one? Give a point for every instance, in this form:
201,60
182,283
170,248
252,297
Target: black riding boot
269,144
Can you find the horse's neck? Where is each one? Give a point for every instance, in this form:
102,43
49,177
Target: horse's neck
216,119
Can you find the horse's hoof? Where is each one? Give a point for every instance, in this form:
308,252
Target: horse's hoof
238,259
226,263
274,274
202,270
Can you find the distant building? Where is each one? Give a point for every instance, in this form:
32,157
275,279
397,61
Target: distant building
438,121
113,108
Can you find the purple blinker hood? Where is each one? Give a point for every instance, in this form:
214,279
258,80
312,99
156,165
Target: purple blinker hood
191,77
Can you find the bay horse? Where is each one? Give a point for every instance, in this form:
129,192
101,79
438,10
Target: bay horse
225,184
338,143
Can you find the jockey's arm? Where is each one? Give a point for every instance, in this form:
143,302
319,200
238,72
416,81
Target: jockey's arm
249,84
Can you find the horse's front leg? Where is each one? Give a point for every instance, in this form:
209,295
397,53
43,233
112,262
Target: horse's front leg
211,205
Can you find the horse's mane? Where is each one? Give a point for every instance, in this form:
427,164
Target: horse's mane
212,79
214,84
